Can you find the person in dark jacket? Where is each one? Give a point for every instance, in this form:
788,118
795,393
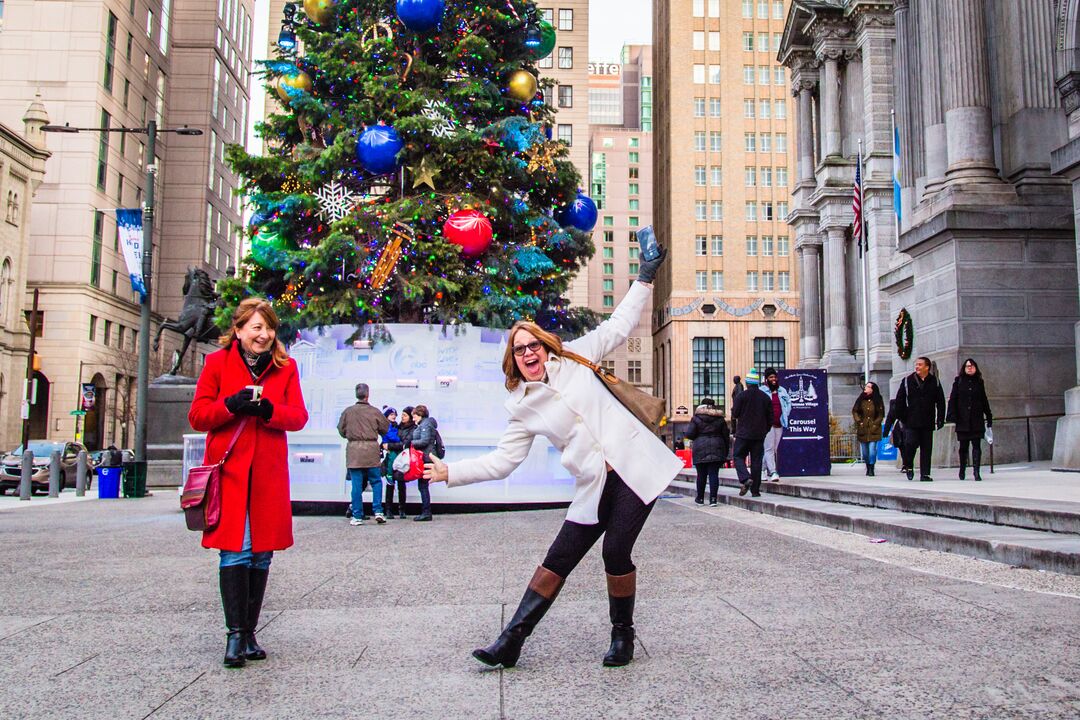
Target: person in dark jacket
868,413
391,445
709,431
752,412
736,388
969,409
920,405
425,438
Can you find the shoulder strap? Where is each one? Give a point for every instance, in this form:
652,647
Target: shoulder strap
235,437
608,377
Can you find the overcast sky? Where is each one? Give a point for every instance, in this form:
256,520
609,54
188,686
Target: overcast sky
613,23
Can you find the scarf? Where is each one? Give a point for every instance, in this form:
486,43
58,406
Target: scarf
256,362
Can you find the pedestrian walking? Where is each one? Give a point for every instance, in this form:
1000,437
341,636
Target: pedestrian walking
778,420
752,413
362,425
868,413
620,467
969,409
736,388
712,441
247,397
391,446
920,405
426,439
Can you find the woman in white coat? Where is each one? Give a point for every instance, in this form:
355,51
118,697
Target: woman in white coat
619,465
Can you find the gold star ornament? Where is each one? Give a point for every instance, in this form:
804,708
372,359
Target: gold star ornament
423,175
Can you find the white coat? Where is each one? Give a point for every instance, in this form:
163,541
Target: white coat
584,421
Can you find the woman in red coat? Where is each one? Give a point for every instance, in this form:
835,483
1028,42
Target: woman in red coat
256,515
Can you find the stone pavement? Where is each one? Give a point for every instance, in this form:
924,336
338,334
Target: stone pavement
109,609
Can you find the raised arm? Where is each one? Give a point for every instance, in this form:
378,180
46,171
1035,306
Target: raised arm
512,450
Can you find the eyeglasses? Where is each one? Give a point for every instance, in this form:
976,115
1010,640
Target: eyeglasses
533,347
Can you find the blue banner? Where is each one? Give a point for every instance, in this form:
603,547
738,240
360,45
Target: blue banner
130,228
804,447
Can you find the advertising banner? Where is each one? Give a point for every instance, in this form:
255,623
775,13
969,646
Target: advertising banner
129,224
89,396
804,447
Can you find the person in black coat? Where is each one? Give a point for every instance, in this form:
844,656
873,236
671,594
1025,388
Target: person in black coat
736,388
920,405
969,409
753,414
709,431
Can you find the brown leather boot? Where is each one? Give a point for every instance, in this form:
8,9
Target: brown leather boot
622,590
542,590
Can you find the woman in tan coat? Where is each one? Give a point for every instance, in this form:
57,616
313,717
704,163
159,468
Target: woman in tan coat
869,413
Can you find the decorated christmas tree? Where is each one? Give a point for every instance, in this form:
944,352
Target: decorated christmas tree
411,175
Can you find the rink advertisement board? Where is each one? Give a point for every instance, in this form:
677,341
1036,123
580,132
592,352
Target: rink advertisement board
804,447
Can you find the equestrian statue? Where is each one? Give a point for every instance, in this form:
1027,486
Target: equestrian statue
196,321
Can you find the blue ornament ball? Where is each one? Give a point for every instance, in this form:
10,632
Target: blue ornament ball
580,213
258,218
420,15
377,149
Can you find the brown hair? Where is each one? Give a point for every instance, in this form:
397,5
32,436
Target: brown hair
421,410
243,313
551,342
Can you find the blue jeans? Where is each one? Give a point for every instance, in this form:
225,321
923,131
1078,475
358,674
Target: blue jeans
246,558
869,452
374,478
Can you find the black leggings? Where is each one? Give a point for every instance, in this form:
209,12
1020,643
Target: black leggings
622,515
710,470
398,479
976,452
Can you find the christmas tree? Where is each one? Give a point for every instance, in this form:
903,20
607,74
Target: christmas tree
410,175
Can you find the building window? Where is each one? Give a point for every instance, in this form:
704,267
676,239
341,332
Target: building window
747,9
748,108
546,63
718,245
767,211
763,75
749,142
633,252
609,268
780,109
770,352
751,211
609,221
566,96
750,176
776,41
714,8
714,74
699,74
781,142
714,107
766,109
699,141
700,210
699,175
781,176
93,328
110,51
765,142
634,157
103,151
633,268
634,204
778,75
150,23
748,42
609,285
715,140
782,209
699,8
778,9
566,134
609,236
751,245
633,372
715,175
633,220
701,280
633,188
718,281
766,177
699,40
633,173
751,281
763,42
701,245
108,332
717,210
163,37
714,41
748,74
784,281
566,58
699,107
763,9
609,301
783,247
566,19
95,253
707,368
766,245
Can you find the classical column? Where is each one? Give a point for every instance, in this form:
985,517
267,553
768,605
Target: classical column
928,86
903,112
835,296
968,124
830,102
810,312
804,92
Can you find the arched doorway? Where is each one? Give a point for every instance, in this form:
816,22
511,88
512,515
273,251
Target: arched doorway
39,410
94,421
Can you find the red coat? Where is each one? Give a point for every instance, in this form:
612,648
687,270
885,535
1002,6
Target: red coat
261,453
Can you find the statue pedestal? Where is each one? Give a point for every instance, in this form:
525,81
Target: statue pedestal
168,401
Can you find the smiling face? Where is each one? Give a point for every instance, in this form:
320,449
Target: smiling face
529,356
256,335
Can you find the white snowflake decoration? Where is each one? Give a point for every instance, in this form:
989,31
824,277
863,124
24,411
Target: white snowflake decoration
335,201
439,112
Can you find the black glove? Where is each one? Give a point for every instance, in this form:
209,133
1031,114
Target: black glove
263,409
236,402
647,270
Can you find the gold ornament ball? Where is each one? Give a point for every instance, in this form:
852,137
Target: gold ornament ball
299,81
522,86
321,12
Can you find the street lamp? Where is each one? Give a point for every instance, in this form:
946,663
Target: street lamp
151,132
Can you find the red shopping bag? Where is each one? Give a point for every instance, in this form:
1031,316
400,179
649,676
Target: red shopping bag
416,465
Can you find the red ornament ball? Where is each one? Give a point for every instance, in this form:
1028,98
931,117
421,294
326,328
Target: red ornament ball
470,230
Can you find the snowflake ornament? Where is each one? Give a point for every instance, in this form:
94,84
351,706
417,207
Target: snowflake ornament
439,112
335,201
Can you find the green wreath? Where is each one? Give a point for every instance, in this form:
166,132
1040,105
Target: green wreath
904,333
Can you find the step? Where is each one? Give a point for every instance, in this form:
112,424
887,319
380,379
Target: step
1051,515
1022,547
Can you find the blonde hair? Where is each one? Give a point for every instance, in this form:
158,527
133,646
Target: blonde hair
243,313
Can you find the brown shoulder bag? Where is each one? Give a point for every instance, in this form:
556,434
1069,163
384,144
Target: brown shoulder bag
649,410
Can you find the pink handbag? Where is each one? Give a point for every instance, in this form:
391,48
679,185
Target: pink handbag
201,499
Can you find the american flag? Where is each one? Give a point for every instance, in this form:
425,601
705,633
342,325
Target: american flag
856,205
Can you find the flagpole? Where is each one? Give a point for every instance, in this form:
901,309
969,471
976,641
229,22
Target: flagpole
864,251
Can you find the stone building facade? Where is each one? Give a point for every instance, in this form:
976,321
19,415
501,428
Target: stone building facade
984,260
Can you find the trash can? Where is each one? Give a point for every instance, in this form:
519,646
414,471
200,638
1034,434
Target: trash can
135,479
108,482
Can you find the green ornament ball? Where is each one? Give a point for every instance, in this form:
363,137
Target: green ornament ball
547,41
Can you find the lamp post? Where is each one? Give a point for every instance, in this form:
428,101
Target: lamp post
150,131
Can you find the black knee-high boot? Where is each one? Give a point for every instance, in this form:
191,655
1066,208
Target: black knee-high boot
233,581
622,590
542,590
976,459
256,590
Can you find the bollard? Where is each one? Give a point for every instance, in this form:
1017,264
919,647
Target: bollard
54,474
80,474
27,470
